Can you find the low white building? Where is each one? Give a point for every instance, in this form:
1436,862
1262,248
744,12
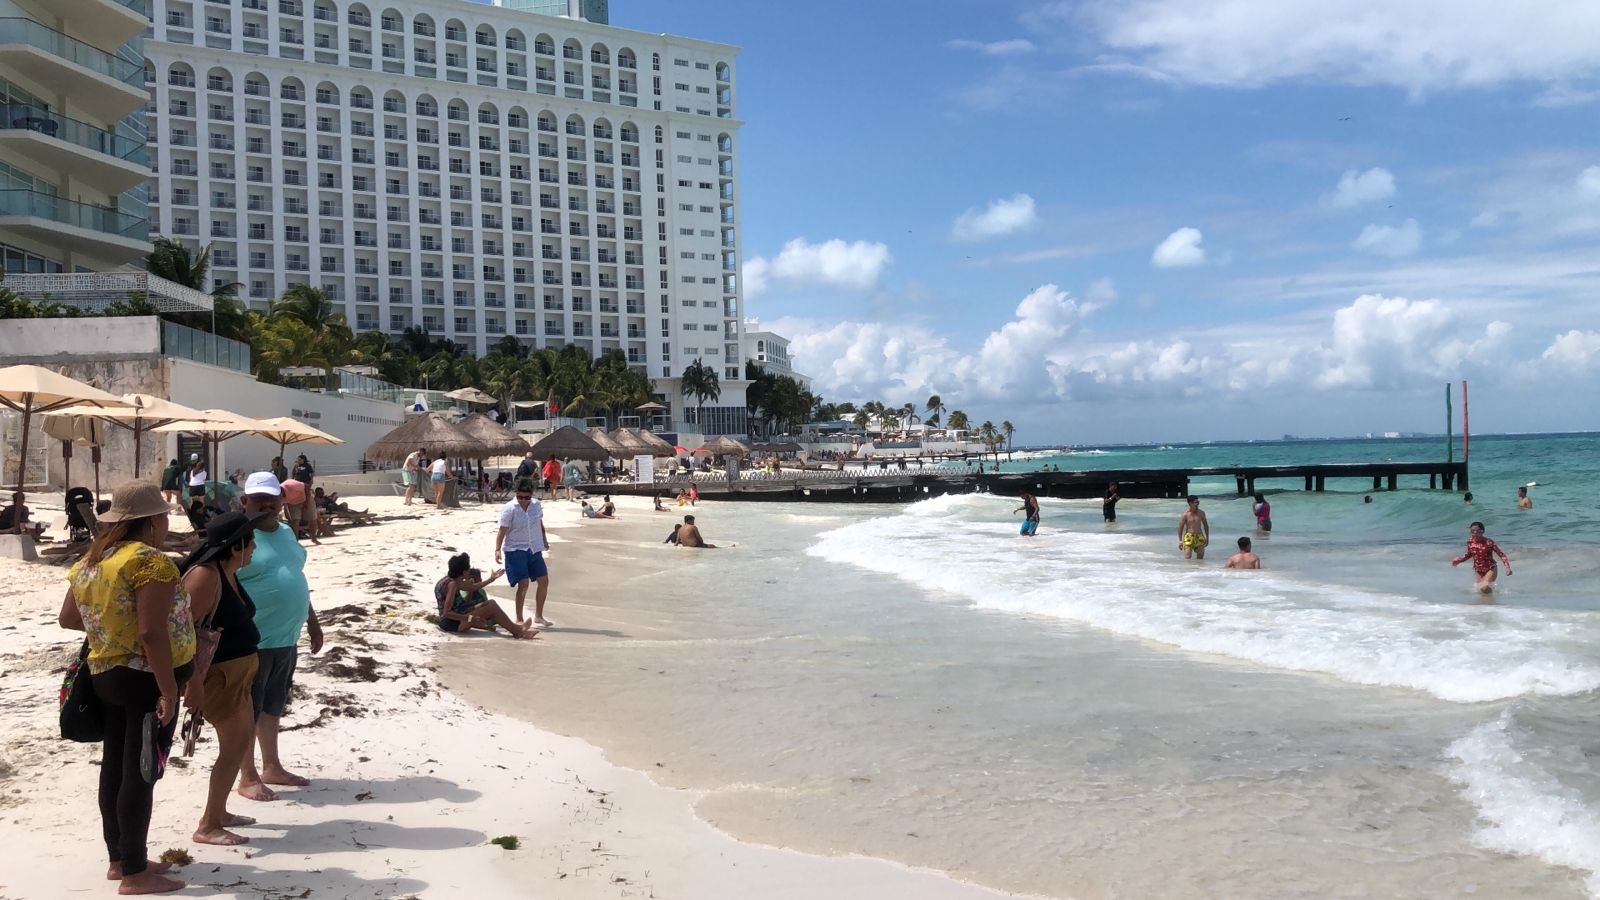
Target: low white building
770,352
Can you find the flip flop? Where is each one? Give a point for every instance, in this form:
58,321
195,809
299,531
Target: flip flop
192,725
152,758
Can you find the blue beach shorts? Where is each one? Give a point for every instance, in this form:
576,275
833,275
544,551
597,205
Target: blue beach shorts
1029,527
524,565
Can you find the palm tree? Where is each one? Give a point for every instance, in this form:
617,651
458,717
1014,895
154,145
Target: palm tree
987,433
174,261
958,420
861,418
289,343
935,407
1007,429
700,381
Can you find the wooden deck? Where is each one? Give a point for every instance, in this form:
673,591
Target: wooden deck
893,486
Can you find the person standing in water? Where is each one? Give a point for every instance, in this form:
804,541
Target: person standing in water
1523,501
1263,511
1108,507
1482,551
1194,532
1030,518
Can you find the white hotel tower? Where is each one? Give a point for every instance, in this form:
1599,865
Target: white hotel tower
470,169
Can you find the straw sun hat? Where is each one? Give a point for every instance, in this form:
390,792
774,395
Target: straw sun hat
135,500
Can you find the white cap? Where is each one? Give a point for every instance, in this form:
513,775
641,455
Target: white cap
263,483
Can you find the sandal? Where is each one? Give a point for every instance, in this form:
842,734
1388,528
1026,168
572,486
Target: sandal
192,725
152,749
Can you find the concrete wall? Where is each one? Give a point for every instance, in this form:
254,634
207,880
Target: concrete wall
46,341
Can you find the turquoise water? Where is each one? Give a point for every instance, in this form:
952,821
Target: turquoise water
1087,714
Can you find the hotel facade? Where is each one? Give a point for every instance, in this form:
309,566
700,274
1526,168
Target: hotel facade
476,171
72,137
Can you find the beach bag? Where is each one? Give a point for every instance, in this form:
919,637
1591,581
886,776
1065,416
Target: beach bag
83,718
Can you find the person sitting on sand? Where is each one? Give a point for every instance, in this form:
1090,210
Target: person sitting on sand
1482,551
1244,559
464,604
689,536
18,514
587,510
673,537
608,510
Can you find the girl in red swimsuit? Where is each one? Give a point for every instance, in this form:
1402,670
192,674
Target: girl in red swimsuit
1482,551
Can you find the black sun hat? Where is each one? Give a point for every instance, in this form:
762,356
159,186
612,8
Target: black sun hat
224,531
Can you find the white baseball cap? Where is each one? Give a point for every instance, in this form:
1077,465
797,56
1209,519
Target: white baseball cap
263,483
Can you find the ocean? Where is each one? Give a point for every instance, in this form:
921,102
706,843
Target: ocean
1086,714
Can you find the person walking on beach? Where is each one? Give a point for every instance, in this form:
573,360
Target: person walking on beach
276,580
1263,511
125,595
1244,559
526,469
571,477
1194,532
411,472
1030,514
303,472
552,476
438,475
1523,500
1482,551
520,544
210,575
170,489
1108,506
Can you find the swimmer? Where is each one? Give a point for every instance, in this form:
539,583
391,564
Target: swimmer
1467,498
1263,511
1244,559
1482,551
1030,518
1523,500
1194,531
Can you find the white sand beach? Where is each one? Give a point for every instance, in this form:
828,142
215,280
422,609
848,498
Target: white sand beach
410,782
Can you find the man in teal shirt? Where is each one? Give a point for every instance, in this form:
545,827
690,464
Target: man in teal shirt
276,583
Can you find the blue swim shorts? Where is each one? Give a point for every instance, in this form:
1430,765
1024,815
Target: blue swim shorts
1029,527
524,565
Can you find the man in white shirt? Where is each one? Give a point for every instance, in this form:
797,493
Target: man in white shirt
522,538
411,472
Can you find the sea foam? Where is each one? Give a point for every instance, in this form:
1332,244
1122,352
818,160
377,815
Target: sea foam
1525,809
1131,585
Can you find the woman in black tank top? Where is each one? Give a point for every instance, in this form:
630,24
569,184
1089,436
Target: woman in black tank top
210,575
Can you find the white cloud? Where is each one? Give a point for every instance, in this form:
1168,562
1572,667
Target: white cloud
1383,342
1012,47
1005,216
1101,293
1360,188
1181,248
1418,46
1393,241
1574,352
1589,182
853,266
1561,94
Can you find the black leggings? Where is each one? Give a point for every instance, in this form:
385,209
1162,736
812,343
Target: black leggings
125,797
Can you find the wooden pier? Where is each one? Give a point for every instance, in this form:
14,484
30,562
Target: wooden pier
893,485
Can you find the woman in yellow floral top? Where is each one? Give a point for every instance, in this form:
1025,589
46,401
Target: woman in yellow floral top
125,595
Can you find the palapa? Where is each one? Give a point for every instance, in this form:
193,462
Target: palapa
630,443
658,447
610,444
567,442
722,445
500,440
431,432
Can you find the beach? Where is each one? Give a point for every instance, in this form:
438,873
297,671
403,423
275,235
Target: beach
863,700
410,781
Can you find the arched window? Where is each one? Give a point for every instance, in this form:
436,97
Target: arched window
488,114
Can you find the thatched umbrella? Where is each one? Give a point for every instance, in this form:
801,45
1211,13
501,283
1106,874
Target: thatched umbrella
630,443
568,442
430,431
500,440
611,444
658,447
722,445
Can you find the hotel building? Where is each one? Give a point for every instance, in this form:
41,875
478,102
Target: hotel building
476,171
770,352
72,137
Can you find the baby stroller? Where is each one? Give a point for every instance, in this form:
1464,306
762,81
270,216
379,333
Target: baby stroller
80,514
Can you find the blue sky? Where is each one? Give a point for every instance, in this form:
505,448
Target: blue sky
1157,219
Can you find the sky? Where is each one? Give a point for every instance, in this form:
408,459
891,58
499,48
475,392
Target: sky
1153,220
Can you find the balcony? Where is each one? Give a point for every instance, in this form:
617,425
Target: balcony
104,86
95,231
103,23
106,161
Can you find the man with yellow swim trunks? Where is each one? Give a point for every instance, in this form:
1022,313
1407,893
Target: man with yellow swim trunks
1194,532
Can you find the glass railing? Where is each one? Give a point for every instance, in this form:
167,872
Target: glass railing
27,31
36,118
16,202
188,343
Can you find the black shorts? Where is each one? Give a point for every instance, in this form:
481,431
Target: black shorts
1109,510
270,692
